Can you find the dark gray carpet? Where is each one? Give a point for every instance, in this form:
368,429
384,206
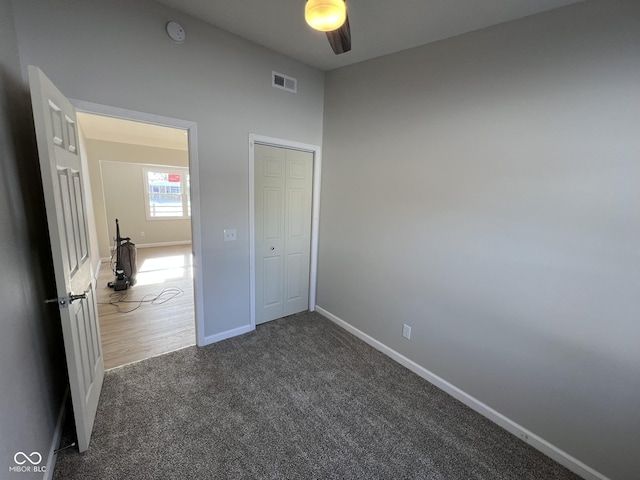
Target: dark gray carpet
298,398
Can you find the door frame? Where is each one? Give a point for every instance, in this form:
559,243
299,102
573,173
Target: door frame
196,229
316,151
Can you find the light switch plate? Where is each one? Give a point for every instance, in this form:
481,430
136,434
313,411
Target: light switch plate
229,234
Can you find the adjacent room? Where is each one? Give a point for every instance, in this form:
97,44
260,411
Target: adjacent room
473,272
139,175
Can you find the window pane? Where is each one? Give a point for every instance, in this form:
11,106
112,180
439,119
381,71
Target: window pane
165,194
165,206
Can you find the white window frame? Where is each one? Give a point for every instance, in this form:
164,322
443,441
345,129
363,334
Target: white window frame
184,176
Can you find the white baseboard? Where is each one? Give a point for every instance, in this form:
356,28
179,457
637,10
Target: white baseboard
164,244
553,452
218,337
55,441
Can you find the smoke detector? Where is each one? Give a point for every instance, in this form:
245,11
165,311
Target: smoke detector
176,32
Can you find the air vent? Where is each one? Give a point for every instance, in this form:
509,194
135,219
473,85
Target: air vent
285,83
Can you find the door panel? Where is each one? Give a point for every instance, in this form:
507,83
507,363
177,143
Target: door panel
273,165
69,238
82,220
271,282
272,213
294,282
61,170
71,134
297,217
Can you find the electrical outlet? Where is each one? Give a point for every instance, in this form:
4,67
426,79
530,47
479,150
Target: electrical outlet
142,234
406,331
229,235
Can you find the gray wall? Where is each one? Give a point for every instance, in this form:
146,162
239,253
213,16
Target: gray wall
485,190
117,53
32,375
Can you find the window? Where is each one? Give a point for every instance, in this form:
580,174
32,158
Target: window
167,192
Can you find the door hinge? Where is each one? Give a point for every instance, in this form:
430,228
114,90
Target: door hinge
80,296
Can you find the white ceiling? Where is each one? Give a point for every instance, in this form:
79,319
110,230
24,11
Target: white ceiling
98,127
378,27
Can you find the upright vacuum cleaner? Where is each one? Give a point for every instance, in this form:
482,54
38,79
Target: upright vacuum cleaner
126,267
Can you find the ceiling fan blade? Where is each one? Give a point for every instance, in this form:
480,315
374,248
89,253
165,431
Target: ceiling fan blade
340,39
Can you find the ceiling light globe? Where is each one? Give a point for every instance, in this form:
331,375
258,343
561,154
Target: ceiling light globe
325,15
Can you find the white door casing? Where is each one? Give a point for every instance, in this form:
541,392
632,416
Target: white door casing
196,236
283,208
62,181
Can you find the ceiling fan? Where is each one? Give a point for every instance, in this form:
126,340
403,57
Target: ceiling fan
330,16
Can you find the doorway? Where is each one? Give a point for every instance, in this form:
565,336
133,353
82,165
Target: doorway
281,157
161,313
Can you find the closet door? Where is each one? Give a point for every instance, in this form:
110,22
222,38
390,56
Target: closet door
283,187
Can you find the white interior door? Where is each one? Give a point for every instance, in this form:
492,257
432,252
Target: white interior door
283,196
62,181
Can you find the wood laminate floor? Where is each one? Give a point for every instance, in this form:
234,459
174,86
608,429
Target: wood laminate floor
165,321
